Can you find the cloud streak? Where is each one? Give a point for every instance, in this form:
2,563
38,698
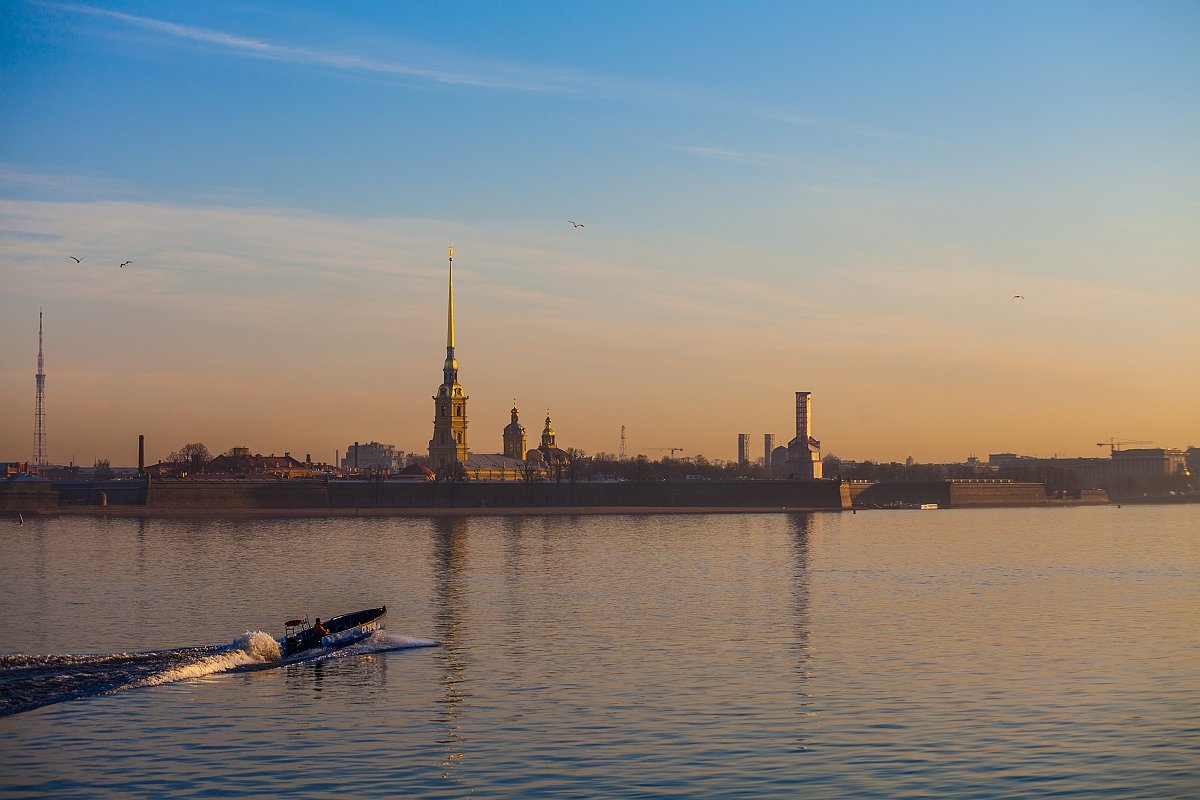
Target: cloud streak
491,75
736,156
500,76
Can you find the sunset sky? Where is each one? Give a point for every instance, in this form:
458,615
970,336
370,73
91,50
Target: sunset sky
841,198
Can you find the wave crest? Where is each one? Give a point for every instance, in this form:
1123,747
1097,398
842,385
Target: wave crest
251,648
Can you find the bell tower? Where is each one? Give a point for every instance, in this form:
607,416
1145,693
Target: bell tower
514,436
449,442
548,433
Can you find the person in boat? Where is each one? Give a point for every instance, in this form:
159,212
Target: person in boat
319,630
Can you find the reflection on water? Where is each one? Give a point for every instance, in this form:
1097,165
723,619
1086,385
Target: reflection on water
801,526
983,653
449,563
367,673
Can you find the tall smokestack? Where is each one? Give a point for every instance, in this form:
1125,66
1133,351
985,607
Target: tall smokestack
804,452
141,454
803,416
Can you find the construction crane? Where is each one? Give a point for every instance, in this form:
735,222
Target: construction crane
673,450
1114,445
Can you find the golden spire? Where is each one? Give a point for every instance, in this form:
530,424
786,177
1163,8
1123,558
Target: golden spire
450,311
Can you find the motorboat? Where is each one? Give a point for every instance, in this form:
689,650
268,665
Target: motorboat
299,635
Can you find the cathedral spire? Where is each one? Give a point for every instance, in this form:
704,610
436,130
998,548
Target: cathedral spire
450,368
450,308
449,442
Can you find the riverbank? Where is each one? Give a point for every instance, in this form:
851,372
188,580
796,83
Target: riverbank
457,511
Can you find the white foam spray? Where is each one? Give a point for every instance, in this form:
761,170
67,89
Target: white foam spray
376,642
252,647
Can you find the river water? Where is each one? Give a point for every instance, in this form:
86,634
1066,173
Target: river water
956,653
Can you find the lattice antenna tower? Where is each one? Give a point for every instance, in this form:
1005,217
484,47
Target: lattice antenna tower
39,405
621,452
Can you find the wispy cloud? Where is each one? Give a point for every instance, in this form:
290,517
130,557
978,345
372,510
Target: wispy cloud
751,159
503,76
489,74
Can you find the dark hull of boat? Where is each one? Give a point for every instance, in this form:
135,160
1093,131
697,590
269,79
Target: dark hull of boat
344,630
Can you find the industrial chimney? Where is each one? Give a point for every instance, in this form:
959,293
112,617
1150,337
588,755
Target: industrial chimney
804,452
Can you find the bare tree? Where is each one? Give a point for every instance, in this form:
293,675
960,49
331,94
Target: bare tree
192,457
576,460
102,470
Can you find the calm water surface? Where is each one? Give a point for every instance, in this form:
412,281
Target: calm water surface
967,653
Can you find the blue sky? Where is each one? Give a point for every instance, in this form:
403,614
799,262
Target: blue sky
840,197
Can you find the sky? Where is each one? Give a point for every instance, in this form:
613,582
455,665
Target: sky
841,198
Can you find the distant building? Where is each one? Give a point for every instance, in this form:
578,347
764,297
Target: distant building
1149,462
238,461
373,457
743,449
415,472
779,458
1137,464
768,449
804,452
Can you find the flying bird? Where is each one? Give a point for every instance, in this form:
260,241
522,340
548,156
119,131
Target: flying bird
576,224
1018,297
76,260
126,263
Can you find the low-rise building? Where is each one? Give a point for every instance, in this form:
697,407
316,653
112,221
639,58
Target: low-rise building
239,461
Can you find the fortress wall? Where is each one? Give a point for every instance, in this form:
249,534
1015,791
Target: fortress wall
997,494
948,494
34,495
700,494
116,492
199,495
236,494
880,494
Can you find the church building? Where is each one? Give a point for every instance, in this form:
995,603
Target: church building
449,443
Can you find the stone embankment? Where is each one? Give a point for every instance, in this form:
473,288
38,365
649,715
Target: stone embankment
303,498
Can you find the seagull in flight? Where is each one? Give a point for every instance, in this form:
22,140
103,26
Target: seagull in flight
1018,297
126,263
575,224
76,260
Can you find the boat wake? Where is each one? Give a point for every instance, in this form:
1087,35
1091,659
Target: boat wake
29,682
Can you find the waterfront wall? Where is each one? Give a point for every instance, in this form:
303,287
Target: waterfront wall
215,495
242,494
27,495
948,494
236,494
95,493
